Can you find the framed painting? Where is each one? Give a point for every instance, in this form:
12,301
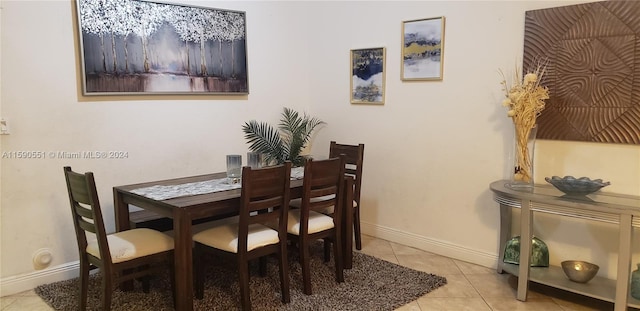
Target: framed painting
142,47
422,49
368,76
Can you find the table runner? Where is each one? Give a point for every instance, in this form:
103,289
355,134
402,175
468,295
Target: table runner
195,188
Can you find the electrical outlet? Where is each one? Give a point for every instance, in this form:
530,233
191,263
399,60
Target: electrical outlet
4,126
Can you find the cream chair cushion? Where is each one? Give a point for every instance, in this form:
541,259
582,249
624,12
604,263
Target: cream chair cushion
134,243
317,222
225,237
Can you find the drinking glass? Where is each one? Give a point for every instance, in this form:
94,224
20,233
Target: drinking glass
254,159
234,168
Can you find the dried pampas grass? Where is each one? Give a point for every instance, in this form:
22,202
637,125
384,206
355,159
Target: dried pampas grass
525,101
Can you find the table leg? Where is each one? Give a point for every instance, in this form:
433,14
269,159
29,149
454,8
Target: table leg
624,253
121,210
183,261
525,250
505,233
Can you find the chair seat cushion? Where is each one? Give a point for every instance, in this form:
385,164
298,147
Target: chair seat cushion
317,222
134,243
225,237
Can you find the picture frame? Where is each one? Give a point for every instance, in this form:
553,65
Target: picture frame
368,74
422,49
130,47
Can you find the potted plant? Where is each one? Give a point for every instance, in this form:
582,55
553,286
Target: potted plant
286,142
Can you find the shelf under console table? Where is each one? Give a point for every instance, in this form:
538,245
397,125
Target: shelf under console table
618,209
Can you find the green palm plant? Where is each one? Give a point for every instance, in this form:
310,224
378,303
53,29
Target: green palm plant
285,143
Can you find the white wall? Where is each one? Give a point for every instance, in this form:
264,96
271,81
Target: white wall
164,136
434,147
431,150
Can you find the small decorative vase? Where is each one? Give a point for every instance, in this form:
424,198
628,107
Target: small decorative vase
539,252
635,283
525,139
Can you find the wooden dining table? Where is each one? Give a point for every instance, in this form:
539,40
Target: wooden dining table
185,210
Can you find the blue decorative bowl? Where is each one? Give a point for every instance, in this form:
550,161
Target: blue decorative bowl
576,186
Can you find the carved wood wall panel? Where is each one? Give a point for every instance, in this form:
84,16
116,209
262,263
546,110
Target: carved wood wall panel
593,70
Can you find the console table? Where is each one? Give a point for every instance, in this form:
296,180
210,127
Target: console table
622,210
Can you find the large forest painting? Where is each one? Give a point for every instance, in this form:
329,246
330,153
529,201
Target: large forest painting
140,47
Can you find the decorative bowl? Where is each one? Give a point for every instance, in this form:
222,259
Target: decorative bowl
579,271
576,186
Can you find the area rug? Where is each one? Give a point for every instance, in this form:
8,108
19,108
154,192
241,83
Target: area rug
372,284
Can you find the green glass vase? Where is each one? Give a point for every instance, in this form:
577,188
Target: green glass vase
635,283
539,252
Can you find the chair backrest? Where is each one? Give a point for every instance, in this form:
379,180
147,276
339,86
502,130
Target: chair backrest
264,199
322,187
354,158
85,209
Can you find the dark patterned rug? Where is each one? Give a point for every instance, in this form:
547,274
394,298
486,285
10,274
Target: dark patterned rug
372,284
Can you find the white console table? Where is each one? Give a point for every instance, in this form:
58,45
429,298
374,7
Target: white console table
622,210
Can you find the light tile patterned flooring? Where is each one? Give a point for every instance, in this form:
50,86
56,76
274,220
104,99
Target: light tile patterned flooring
470,287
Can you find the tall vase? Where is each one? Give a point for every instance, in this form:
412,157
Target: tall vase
635,283
525,139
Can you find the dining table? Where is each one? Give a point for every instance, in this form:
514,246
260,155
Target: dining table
213,197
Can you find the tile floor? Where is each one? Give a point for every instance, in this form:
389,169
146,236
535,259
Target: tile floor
470,287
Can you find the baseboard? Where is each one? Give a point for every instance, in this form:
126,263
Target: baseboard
435,246
20,283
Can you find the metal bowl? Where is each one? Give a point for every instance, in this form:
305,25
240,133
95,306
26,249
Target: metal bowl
579,271
576,186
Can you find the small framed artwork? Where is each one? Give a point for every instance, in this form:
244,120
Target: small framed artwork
142,47
422,49
368,75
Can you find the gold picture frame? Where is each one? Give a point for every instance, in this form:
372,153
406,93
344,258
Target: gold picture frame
368,74
422,49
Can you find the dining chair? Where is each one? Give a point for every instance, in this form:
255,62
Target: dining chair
322,186
121,256
260,230
354,157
